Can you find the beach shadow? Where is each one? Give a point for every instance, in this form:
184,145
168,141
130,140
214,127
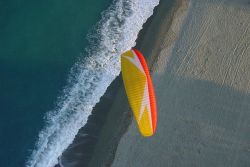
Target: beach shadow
200,123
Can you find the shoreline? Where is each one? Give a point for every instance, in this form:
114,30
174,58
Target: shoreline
120,116
80,151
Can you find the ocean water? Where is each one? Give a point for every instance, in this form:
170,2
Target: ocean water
57,59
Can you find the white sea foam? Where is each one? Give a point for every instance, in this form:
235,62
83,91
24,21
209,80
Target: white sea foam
115,33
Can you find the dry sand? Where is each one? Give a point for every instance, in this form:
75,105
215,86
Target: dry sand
201,77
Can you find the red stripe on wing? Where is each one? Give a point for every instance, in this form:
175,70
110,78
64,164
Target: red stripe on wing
150,89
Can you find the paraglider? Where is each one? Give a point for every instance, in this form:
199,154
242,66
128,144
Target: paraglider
140,91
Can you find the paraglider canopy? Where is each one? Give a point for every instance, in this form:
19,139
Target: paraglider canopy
140,91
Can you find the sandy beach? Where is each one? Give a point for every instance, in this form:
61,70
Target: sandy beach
198,52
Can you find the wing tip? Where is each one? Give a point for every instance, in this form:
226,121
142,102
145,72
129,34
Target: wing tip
147,134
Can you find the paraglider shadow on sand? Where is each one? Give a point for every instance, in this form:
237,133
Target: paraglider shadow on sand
80,151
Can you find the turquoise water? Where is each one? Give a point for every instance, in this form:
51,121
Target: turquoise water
39,43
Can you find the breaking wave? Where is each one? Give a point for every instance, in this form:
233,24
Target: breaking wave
90,77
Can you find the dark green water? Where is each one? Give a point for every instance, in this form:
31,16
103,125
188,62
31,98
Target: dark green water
39,43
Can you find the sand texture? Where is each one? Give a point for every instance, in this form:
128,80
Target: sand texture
201,76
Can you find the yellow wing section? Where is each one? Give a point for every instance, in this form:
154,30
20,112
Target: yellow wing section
136,86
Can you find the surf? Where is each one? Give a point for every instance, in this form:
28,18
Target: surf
115,33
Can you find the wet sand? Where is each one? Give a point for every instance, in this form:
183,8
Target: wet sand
201,73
